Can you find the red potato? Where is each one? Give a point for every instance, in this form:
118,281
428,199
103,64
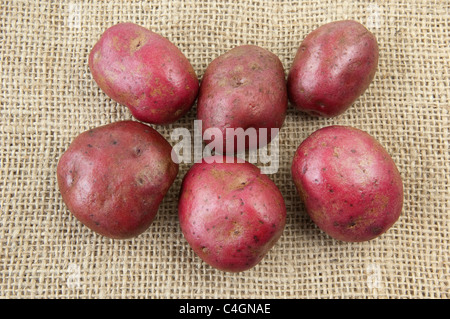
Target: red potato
243,88
333,66
230,213
349,184
114,177
144,71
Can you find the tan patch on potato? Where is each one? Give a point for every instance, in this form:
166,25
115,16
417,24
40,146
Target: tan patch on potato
255,66
96,57
301,191
220,174
236,230
138,42
230,180
379,204
336,152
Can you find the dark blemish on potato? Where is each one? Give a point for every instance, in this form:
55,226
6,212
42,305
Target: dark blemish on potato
114,142
261,222
237,82
137,151
353,151
351,224
89,145
376,230
324,169
255,66
305,168
256,239
331,190
226,217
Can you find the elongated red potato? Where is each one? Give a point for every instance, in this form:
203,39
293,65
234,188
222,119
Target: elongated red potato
333,66
245,88
350,185
144,71
114,177
230,213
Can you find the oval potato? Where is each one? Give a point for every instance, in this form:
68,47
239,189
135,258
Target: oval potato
349,184
230,213
144,71
333,66
114,177
245,88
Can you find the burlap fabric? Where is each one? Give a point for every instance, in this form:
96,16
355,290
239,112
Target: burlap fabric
48,96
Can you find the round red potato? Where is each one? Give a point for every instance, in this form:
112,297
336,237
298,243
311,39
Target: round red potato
230,213
114,177
144,71
349,184
244,88
333,66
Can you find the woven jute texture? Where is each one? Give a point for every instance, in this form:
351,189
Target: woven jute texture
48,97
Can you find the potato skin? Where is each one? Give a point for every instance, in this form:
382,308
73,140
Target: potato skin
230,213
333,66
114,177
144,71
349,184
243,88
